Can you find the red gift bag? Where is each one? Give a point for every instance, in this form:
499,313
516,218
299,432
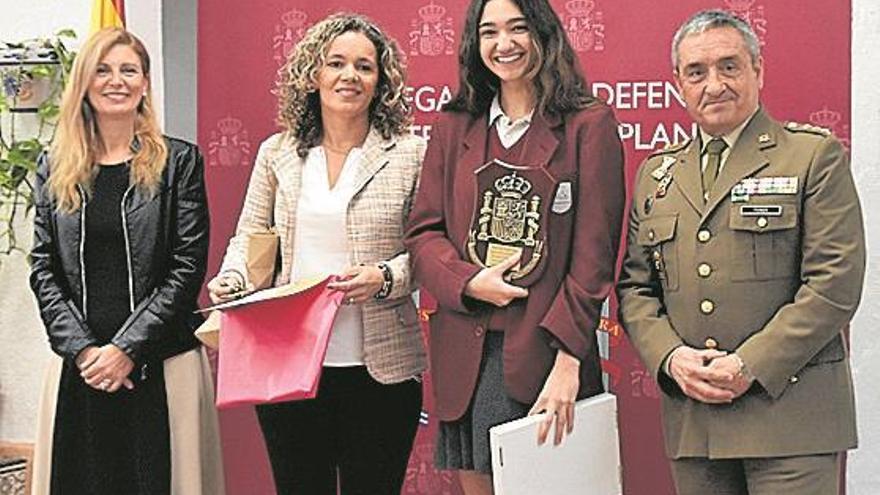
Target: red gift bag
273,350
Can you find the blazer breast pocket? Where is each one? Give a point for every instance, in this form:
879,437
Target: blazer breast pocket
657,235
766,240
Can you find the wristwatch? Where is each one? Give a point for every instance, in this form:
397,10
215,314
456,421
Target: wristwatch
387,281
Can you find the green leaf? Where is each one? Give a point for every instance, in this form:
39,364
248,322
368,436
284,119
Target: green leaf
41,70
18,155
48,110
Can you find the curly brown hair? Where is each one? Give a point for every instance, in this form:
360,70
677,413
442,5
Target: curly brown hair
299,107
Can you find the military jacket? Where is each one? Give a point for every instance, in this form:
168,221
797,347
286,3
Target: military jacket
769,266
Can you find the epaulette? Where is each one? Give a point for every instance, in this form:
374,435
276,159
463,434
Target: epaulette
671,148
810,128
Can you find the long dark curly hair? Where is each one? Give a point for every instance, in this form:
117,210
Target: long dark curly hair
559,81
299,106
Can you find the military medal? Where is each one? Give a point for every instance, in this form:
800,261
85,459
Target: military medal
658,264
663,169
663,174
738,194
510,217
767,185
662,186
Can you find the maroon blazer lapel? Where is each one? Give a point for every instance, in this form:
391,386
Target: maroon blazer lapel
542,141
473,154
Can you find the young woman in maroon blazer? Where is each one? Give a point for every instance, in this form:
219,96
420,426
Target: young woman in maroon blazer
515,232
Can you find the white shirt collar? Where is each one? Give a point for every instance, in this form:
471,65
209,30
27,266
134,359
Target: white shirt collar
495,111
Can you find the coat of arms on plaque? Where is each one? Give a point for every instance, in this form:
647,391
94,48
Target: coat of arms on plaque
510,218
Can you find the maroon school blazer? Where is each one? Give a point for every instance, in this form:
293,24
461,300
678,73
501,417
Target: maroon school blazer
564,304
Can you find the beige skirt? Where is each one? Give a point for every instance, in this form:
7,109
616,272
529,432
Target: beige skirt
196,462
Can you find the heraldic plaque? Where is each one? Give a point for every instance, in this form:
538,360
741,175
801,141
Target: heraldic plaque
510,218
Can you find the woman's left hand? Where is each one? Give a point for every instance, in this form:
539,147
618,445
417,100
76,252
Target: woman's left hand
109,371
557,398
360,283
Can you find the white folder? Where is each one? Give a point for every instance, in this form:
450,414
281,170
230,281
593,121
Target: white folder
587,462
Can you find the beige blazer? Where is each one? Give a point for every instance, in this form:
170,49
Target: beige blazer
385,184
773,273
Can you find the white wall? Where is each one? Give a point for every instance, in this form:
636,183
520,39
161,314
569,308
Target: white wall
23,346
864,463
144,19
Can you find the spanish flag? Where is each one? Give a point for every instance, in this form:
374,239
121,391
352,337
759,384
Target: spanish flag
107,13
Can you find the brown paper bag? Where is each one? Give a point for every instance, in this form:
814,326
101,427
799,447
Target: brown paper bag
262,252
209,331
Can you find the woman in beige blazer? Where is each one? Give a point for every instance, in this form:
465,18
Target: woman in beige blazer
337,185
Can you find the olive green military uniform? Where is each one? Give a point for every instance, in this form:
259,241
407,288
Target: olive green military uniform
770,267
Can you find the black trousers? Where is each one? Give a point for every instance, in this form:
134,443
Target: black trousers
356,428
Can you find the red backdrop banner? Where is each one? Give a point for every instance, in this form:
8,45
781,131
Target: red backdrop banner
624,48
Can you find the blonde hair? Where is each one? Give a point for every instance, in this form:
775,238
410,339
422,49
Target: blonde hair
299,106
73,152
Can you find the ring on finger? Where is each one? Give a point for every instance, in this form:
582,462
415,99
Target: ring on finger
105,384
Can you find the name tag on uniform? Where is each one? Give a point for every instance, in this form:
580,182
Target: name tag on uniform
760,210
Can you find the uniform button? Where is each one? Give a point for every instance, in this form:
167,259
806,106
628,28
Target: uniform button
707,306
479,330
651,235
704,270
762,222
711,343
793,379
704,236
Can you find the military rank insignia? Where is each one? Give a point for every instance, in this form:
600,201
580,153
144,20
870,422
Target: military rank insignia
510,218
812,129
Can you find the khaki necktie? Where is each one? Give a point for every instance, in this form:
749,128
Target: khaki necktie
713,163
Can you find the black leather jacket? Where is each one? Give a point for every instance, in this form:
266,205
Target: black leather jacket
167,247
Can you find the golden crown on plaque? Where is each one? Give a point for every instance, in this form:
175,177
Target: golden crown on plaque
294,18
229,126
825,118
579,7
432,12
512,185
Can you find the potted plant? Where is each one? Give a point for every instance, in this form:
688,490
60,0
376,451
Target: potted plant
32,77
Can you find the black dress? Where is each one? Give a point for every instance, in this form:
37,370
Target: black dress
109,443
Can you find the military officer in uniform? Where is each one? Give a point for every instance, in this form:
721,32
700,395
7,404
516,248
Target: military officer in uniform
744,264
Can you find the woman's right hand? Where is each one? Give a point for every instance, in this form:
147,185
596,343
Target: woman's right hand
489,285
225,285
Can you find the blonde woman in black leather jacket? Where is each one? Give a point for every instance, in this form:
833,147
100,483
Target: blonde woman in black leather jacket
120,246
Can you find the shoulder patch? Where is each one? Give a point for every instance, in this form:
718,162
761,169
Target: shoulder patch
809,128
671,148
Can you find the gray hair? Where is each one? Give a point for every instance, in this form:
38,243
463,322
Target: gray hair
713,19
